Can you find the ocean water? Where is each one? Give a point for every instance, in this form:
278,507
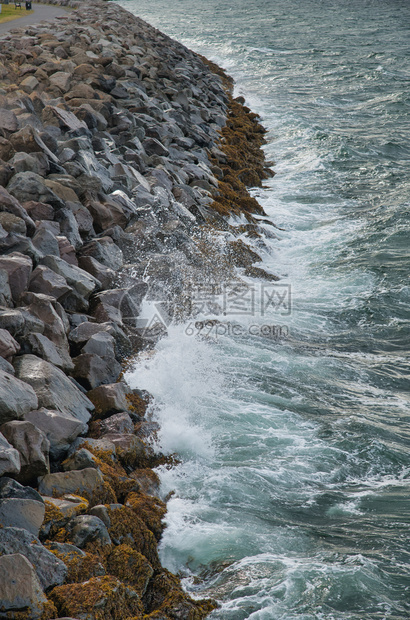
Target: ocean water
292,499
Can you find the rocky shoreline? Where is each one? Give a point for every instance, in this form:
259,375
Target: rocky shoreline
124,162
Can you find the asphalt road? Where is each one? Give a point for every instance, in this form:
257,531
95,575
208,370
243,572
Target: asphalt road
42,12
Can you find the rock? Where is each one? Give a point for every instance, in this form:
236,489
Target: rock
68,506
131,567
67,119
41,346
11,488
109,399
148,481
5,292
20,323
27,514
46,243
28,186
39,210
66,250
80,280
18,268
16,398
61,429
104,251
28,140
101,512
8,346
69,226
81,459
54,390
104,274
12,224
98,597
20,589
29,84
54,320
87,529
153,146
36,162
101,344
62,80
50,570
131,450
88,483
91,370
47,282
8,120
9,458
119,423
33,447
84,331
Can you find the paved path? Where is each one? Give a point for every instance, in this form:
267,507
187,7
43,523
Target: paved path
41,12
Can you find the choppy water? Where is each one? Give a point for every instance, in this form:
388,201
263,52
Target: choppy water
293,497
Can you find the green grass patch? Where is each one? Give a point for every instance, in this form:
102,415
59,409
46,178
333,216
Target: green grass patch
9,12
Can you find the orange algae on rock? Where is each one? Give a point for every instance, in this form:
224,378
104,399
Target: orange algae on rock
99,598
165,595
150,509
131,567
127,528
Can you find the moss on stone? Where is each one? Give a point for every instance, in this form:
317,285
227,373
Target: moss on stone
99,598
150,509
130,566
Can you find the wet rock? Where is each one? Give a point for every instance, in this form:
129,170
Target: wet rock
9,458
101,344
27,514
86,529
131,450
91,370
49,569
53,388
104,251
20,589
109,399
61,429
18,268
32,446
118,423
104,274
16,398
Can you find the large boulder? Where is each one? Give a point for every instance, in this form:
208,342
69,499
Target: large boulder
16,398
9,458
18,268
20,589
47,282
33,447
92,370
88,483
109,398
60,428
8,346
27,186
80,280
43,347
27,514
53,388
50,570
86,529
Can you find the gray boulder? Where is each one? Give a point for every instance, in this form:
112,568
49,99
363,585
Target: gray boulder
20,589
105,251
91,370
80,280
11,488
85,482
8,346
33,447
50,570
18,268
109,398
53,388
61,429
86,529
27,514
43,347
9,458
26,186
45,281
16,398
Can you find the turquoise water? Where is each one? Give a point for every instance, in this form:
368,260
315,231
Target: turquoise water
293,496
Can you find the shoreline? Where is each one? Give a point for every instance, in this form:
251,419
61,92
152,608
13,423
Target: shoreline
123,156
